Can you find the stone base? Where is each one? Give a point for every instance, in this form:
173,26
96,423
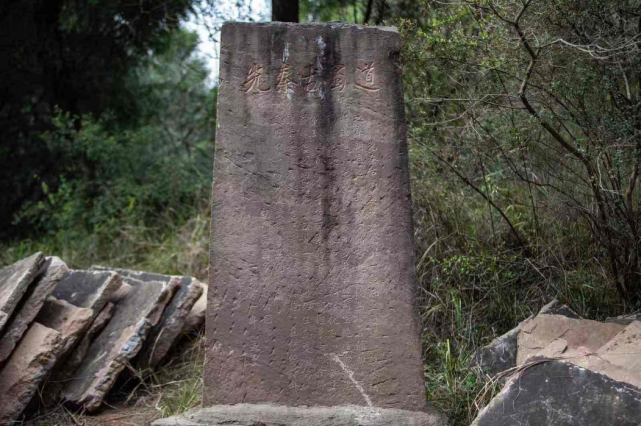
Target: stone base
272,415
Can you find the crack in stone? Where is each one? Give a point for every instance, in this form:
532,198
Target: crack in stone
350,374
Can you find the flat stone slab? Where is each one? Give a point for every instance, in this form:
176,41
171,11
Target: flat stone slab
49,276
559,393
20,377
69,364
312,292
537,333
118,343
88,289
69,320
272,415
163,335
14,281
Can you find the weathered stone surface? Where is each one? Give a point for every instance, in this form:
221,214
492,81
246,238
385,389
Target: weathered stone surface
312,286
557,308
500,354
271,415
66,367
164,334
537,333
196,317
69,320
28,365
625,349
559,393
78,355
118,343
14,281
49,276
88,289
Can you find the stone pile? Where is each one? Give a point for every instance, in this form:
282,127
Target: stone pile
558,368
78,329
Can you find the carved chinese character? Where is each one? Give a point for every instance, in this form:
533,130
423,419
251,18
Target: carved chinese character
253,82
309,81
365,77
339,81
284,81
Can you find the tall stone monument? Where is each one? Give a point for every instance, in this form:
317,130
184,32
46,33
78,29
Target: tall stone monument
312,312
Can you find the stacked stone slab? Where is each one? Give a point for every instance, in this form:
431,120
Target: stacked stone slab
163,335
50,274
119,342
79,329
566,370
311,299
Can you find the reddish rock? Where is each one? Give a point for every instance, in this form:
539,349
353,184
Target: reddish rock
20,377
49,276
118,343
14,281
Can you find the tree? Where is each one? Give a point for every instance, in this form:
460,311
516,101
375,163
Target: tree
535,106
75,56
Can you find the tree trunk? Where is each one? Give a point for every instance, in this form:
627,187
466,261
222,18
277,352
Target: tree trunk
285,10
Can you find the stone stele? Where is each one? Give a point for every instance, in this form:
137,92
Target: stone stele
312,294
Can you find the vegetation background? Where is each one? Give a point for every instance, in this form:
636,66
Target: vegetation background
525,145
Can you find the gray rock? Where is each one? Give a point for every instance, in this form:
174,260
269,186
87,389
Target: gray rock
557,308
312,293
88,289
14,281
271,415
624,319
559,393
49,276
25,369
118,343
500,354
163,335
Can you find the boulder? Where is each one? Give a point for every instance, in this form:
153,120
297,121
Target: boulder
551,392
49,276
537,333
501,354
14,281
20,377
